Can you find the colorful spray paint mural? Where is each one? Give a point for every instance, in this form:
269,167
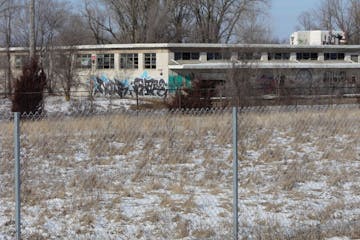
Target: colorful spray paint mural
178,81
144,85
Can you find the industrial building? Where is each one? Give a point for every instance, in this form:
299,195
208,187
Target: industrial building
315,65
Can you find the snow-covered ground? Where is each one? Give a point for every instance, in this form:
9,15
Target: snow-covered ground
100,104
153,175
57,104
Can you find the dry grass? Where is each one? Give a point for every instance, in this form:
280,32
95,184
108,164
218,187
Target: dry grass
273,231
182,229
203,233
296,172
97,164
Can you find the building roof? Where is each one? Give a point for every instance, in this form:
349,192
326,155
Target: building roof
173,46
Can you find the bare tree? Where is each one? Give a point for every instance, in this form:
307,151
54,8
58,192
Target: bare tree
95,15
168,20
179,24
56,26
355,13
8,17
54,22
339,15
3,6
51,15
7,12
65,71
50,21
239,86
128,20
32,29
72,31
306,21
63,62
215,21
253,28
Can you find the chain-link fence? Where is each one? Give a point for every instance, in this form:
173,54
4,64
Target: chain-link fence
184,97
168,174
122,175
299,172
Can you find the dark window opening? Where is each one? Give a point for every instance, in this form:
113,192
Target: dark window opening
306,56
187,55
218,56
278,56
334,56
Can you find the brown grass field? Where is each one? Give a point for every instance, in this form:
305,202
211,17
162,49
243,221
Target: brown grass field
155,175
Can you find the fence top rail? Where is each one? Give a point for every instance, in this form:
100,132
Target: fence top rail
9,116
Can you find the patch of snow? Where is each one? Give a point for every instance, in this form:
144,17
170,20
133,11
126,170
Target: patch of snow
53,226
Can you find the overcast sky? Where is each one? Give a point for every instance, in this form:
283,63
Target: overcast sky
284,14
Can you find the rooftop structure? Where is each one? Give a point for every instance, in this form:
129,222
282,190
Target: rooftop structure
317,37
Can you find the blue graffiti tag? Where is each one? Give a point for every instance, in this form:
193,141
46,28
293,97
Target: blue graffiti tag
143,86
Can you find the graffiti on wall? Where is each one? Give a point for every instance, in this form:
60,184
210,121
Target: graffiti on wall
144,85
179,81
267,83
334,78
304,77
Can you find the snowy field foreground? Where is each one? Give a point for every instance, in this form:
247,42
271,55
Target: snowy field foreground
160,175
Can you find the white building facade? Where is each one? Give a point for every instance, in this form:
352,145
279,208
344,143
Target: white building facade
168,67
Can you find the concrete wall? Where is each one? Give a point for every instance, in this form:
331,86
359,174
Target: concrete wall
161,71
129,75
177,74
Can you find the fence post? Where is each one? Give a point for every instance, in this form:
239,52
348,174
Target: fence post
17,173
235,175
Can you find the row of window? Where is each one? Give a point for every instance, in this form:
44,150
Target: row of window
307,56
131,60
187,55
279,56
105,61
334,56
310,56
257,56
127,61
215,56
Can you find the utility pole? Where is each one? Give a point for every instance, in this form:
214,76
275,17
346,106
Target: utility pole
32,30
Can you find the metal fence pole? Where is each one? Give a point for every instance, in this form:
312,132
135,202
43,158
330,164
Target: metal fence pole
17,173
235,174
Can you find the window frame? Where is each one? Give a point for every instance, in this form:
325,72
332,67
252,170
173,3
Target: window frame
22,61
149,60
217,55
80,58
128,60
179,56
334,56
307,56
249,56
279,56
107,62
